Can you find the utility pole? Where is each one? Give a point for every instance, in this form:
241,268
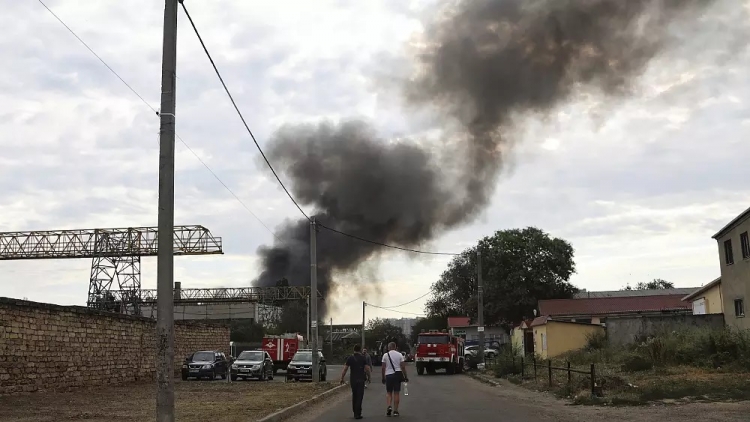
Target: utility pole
308,320
363,324
314,300
480,307
331,334
165,254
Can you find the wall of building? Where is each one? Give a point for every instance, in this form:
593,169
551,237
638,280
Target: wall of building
735,278
713,300
517,340
621,331
45,347
564,337
540,341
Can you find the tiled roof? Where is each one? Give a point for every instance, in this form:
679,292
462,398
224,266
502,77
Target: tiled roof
458,322
611,305
623,293
703,289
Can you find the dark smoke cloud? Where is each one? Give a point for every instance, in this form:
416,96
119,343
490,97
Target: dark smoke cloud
482,64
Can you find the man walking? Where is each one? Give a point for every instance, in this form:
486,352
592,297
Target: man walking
368,359
394,373
357,377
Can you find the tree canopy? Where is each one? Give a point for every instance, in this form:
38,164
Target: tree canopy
519,267
654,284
434,322
379,329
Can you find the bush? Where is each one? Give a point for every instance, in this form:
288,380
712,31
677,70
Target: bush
507,367
636,363
596,341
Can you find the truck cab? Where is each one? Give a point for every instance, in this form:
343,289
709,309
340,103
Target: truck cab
439,350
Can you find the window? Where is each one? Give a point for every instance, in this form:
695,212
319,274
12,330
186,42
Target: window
544,341
728,255
739,307
745,243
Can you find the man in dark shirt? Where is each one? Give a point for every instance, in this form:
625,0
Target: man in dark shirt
359,372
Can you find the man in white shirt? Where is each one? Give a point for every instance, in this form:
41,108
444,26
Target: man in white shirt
393,373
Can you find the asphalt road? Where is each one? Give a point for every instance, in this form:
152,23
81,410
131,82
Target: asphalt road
438,397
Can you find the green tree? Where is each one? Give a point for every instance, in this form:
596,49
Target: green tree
379,329
655,284
519,268
246,331
434,322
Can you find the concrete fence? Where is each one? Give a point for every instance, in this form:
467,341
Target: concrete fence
46,347
621,331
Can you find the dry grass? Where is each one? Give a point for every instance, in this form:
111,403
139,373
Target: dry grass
195,401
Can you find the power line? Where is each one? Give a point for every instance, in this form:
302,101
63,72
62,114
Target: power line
384,244
268,163
404,304
239,113
393,310
157,112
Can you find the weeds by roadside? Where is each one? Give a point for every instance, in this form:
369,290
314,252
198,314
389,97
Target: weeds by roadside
696,365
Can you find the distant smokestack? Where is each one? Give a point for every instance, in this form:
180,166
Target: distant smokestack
483,63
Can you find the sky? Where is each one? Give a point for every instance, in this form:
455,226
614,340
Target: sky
638,185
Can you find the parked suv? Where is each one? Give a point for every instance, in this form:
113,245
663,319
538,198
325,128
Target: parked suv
300,368
253,364
205,364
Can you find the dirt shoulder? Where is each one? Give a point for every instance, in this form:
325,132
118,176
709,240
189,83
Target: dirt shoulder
551,408
215,401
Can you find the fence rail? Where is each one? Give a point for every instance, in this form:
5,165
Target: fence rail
536,365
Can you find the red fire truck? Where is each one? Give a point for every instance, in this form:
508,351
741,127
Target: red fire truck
282,348
439,350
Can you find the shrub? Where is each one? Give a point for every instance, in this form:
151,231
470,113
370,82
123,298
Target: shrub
636,363
596,341
507,366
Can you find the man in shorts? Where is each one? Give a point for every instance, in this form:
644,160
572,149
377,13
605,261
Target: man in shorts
393,373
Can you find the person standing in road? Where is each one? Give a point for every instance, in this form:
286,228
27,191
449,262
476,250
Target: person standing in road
393,373
368,359
357,377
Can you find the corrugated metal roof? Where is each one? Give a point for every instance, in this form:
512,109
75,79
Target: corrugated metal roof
702,289
633,293
611,305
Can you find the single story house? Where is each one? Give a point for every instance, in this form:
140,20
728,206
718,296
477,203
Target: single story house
596,310
554,337
707,299
462,327
522,337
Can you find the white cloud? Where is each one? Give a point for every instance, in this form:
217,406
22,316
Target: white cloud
637,184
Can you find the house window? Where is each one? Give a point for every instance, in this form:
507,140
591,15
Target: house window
544,341
728,255
739,307
745,243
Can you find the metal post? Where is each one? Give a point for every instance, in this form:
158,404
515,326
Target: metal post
549,371
314,300
480,306
522,368
331,334
593,380
308,321
568,372
165,254
364,304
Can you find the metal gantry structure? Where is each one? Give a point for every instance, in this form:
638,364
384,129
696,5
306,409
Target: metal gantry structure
115,254
270,299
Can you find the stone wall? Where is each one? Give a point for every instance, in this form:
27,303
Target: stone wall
622,331
45,347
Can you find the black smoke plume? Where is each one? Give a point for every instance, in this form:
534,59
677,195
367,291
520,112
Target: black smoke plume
482,64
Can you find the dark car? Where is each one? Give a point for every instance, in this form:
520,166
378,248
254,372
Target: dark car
252,364
300,368
205,364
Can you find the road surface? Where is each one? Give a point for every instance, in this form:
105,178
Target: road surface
439,397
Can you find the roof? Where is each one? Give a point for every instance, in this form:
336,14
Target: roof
542,320
459,322
737,220
524,324
611,305
626,293
703,289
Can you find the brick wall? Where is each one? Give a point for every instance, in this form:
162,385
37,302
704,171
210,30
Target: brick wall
45,347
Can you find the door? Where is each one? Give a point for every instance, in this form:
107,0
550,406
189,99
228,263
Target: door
699,306
528,343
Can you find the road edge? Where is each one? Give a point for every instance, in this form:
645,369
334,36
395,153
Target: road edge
294,409
483,379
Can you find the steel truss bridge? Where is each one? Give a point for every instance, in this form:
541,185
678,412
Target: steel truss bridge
270,299
115,254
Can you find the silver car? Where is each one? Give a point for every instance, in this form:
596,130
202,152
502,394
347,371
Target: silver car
252,364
